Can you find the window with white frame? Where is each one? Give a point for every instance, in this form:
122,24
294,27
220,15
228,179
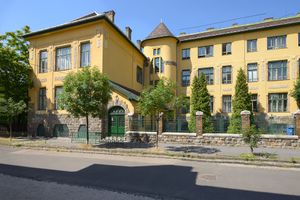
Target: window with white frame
58,91
43,66
277,70
185,54
206,51
211,104
226,48
278,102
226,103
251,45
42,99
63,58
226,74
254,102
277,42
139,75
85,54
208,73
252,72
185,77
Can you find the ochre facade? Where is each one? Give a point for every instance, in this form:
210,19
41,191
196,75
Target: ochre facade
113,52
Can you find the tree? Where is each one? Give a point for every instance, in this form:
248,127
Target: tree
241,101
251,136
295,93
86,93
200,102
155,100
14,67
11,109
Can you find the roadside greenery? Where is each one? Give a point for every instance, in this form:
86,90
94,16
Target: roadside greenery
251,136
86,93
241,101
200,102
295,93
14,72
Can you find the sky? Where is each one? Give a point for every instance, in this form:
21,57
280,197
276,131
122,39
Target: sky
143,16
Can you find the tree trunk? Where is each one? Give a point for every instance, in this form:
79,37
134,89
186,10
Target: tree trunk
251,148
10,131
157,129
87,129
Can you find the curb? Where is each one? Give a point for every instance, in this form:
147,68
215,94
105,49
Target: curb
180,156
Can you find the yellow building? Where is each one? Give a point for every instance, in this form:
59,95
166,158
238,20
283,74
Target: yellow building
268,51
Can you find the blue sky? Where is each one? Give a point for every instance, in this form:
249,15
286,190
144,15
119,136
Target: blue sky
141,15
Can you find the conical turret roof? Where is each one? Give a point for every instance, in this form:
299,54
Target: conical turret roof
160,31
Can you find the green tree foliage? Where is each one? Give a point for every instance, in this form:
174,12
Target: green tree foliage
86,93
251,136
14,68
155,100
295,93
11,109
200,102
241,101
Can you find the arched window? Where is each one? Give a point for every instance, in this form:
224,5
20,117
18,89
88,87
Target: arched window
41,130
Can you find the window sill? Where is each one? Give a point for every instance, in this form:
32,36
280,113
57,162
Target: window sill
277,48
205,56
226,54
62,70
252,51
186,58
279,80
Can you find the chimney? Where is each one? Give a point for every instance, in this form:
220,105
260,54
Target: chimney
128,32
182,33
235,24
111,15
210,28
268,19
138,44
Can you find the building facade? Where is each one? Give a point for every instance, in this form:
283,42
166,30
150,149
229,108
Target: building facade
268,51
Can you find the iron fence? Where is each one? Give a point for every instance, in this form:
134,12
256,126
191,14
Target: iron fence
94,137
220,124
176,125
275,126
143,125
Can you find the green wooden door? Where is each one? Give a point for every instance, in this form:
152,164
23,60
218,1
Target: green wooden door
116,122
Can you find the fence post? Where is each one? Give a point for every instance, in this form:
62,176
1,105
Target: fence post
245,114
130,121
160,123
297,123
199,123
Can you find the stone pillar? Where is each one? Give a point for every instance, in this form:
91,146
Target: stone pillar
245,114
160,123
199,123
130,121
297,122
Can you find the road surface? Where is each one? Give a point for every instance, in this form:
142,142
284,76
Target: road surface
31,174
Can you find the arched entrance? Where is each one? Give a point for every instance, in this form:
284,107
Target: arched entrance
116,121
41,130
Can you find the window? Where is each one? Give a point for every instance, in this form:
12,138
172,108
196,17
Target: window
277,70
58,91
42,99
63,58
277,42
226,48
226,74
185,54
205,51
298,39
278,102
211,104
208,73
85,54
254,103
252,72
43,62
251,45
158,65
226,106
139,75
185,77
156,51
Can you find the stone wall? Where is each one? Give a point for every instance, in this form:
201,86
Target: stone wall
49,120
214,139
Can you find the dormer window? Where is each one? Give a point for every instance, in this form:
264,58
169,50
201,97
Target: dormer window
156,51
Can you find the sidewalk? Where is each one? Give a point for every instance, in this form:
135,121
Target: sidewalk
165,149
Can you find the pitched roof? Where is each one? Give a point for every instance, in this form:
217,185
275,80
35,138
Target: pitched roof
242,28
92,17
130,94
160,31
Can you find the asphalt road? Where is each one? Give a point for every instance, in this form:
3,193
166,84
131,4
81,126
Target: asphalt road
56,175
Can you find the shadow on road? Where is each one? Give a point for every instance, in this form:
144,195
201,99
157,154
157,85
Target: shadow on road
166,180
193,149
